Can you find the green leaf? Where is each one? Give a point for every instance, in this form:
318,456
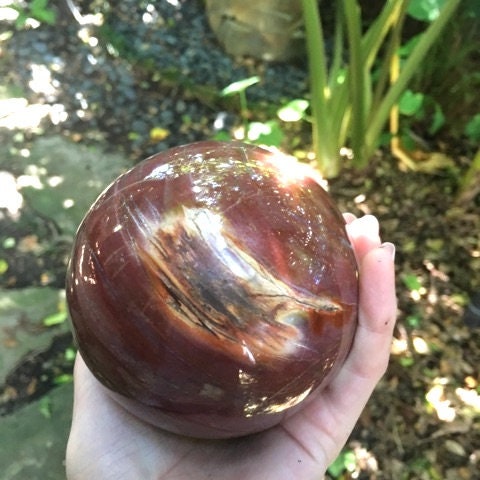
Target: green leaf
45,406
413,321
345,461
411,103
411,281
133,136
406,361
425,10
64,378
265,133
55,319
21,19
406,49
9,242
3,266
39,10
472,129
294,110
222,136
46,16
240,86
438,120
70,354
38,5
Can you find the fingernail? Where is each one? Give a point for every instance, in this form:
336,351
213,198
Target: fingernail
366,226
369,220
349,217
390,248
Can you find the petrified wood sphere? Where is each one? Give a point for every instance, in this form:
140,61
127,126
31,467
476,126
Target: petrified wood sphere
212,289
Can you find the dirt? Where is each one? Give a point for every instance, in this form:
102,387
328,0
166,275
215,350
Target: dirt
417,425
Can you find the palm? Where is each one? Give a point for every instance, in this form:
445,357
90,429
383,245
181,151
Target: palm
107,442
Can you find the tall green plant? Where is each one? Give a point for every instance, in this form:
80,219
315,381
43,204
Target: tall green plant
351,100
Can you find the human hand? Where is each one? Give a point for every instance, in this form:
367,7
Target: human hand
106,442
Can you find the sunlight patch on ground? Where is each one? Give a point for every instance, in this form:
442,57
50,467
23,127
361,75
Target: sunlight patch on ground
469,397
436,398
7,13
23,116
448,406
10,198
32,177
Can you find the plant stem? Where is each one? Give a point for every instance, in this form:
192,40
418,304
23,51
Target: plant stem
244,111
356,78
375,36
470,181
410,67
324,141
391,56
394,62
337,58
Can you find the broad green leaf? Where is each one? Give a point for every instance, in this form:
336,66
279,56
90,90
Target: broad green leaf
240,86
38,5
425,10
46,16
345,461
21,19
472,129
266,133
293,111
406,49
3,266
55,319
411,281
411,103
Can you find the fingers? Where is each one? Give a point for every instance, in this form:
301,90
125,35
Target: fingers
368,358
349,391
103,435
84,421
86,386
86,393
370,351
363,233
377,311
340,404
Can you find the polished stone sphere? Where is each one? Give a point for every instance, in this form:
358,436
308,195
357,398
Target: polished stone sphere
212,289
